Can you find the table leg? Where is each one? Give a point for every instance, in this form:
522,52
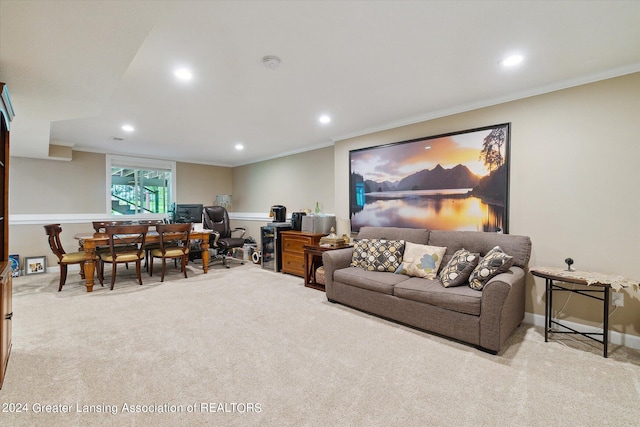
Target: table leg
204,246
547,309
314,268
605,326
89,264
307,266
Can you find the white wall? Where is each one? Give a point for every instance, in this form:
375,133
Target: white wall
73,193
297,182
574,186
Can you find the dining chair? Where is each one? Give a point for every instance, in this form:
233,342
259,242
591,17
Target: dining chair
64,258
174,243
149,246
101,227
126,244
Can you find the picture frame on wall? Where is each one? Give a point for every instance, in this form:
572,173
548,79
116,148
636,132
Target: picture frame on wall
35,265
453,181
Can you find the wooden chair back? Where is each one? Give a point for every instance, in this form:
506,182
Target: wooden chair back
101,226
53,232
174,235
132,236
152,223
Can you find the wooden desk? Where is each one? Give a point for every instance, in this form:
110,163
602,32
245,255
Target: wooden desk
89,241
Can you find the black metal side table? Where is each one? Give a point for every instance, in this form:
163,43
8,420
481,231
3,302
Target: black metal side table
554,274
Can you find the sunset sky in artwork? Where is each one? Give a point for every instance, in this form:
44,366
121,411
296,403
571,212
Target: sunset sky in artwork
394,162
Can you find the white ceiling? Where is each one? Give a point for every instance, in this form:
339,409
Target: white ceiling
77,71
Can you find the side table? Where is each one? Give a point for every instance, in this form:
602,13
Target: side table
313,260
602,282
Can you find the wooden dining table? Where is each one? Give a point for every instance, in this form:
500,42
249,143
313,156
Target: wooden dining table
88,242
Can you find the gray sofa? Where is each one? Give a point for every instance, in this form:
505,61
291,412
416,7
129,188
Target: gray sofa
482,318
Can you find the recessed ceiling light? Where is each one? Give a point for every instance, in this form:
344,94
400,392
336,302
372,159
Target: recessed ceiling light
271,62
512,60
128,128
324,119
239,147
183,74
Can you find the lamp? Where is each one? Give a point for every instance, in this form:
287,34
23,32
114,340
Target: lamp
224,200
344,228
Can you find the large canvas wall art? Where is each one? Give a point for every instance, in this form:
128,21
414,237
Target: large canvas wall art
456,181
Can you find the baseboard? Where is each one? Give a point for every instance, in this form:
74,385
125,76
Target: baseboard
618,338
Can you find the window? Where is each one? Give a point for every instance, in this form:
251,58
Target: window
139,186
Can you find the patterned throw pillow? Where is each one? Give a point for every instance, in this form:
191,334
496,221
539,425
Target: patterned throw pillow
384,255
459,268
421,260
359,257
377,254
493,263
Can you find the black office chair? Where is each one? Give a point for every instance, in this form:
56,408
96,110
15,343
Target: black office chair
216,218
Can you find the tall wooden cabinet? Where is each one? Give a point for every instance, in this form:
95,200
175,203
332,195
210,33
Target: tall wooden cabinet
293,250
6,312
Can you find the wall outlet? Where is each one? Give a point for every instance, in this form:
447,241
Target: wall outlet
617,299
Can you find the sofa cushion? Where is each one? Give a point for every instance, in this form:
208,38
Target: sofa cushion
421,260
371,280
519,247
493,263
458,269
378,254
461,299
414,235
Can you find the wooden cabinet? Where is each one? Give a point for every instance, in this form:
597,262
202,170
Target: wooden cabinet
6,116
6,313
293,243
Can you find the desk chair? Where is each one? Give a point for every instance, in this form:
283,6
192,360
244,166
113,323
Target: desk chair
64,258
216,218
126,244
174,243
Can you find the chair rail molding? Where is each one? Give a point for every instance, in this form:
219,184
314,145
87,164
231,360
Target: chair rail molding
42,219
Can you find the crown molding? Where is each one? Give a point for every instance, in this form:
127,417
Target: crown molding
565,84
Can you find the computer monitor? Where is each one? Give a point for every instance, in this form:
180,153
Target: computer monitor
188,213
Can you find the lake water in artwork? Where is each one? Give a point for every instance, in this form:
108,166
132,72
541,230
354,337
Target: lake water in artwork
430,209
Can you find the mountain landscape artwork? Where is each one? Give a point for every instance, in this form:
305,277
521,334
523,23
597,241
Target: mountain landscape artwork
456,181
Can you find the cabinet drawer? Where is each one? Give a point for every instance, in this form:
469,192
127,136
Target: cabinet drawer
295,243
293,264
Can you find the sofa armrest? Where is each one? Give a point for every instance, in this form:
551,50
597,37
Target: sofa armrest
502,308
332,261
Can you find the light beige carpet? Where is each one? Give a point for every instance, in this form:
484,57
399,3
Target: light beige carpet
262,350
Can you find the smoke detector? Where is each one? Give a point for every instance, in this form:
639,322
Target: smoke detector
271,62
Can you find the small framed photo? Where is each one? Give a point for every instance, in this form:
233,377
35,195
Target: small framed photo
35,265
